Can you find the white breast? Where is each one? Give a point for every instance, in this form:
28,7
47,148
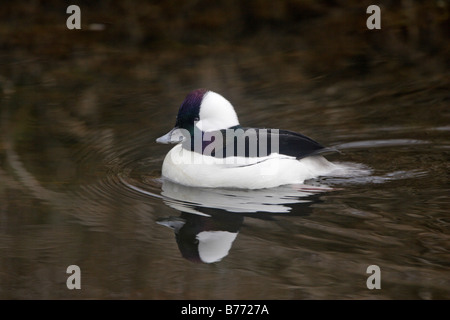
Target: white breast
193,169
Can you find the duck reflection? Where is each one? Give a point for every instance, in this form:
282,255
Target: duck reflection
210,219
204,239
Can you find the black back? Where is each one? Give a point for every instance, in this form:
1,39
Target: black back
251,142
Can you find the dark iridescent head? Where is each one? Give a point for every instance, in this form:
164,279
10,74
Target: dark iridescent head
189,111
205,110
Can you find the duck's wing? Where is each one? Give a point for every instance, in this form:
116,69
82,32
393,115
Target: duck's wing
297,145
252,142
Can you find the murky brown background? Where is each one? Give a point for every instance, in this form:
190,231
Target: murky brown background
80,111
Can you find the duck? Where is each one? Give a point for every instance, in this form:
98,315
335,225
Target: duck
212,149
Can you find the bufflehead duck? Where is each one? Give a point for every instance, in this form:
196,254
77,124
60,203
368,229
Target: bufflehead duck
213,150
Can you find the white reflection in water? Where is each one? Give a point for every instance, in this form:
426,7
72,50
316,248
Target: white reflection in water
210,218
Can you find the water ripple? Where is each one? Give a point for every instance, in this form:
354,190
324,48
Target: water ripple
379,143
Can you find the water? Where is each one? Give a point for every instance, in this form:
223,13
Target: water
81,179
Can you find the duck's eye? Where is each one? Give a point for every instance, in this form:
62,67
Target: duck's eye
196,119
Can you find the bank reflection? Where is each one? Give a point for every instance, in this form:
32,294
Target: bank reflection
210,219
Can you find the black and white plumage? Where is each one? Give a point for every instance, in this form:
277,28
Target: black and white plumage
265,142
213,150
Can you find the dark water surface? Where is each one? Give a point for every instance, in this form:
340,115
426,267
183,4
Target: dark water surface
80,178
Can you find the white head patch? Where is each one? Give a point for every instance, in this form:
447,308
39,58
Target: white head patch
216,113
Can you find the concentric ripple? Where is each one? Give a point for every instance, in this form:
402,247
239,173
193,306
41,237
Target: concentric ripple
127,168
